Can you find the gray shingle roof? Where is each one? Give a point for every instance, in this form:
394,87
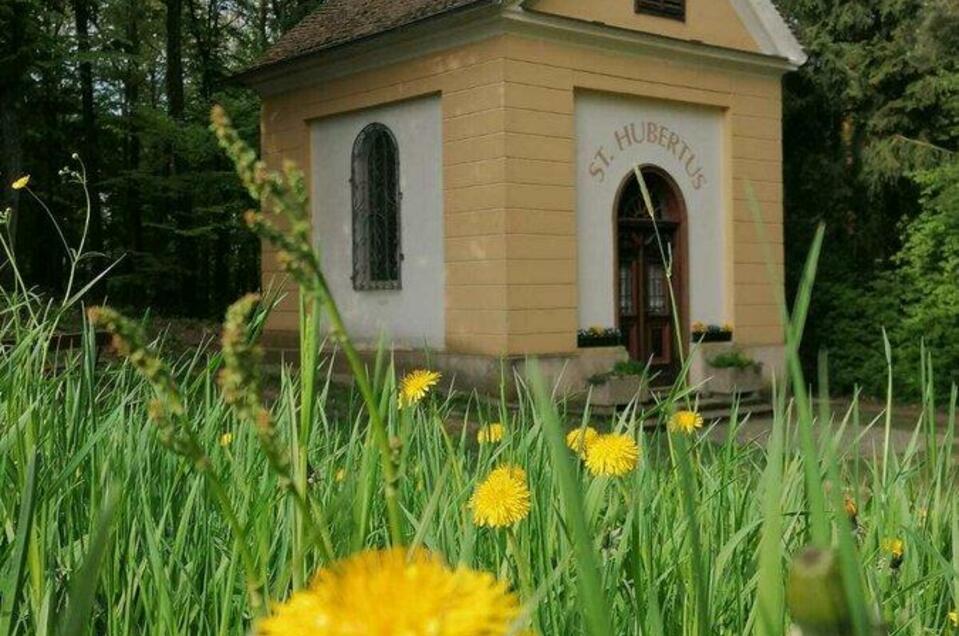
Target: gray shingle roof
338,22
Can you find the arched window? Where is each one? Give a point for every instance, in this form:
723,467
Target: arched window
376,210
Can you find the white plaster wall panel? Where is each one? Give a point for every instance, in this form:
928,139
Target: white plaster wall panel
413,316
614,133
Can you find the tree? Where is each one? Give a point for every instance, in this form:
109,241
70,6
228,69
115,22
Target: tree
867,112
90,150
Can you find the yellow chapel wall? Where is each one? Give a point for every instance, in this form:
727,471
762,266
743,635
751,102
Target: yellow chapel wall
542,78
470,79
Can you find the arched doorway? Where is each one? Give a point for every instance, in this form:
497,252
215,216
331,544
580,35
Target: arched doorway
644,307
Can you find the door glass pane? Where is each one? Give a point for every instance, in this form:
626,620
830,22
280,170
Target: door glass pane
626,307
657,348
656,289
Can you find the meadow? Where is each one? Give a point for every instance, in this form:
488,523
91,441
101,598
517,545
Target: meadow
147,491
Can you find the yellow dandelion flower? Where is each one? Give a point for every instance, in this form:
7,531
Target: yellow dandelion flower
226,439
894,547
21,183
578,440
953,617
685,422
340,475
491,434
415,385
388,592
502,499
612,455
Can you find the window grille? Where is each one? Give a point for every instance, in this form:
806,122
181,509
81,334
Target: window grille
376,210
675,9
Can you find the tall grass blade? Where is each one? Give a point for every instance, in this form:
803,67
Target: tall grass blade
13,580
84,585
593,603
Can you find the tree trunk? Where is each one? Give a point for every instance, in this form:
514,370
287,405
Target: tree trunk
180,211
174,59
12,154
263,25
11,149
89,152
131,98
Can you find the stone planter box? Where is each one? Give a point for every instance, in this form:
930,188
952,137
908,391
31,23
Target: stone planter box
734,381
618,391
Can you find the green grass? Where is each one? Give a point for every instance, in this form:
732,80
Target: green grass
170,563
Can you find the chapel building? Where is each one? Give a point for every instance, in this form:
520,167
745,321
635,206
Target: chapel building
472,166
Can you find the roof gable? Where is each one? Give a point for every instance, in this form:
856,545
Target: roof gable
753,26
712,22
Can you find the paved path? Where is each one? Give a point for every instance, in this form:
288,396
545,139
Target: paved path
870,440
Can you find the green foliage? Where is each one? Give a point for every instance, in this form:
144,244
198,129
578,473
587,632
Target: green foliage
625,368
622,369
169,204
733,360
928,272
877,103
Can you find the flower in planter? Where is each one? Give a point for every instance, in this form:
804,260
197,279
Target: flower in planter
702,332
597,336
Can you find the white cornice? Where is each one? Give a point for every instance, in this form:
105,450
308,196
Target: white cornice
769,29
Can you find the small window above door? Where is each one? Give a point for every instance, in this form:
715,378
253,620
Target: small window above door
675,9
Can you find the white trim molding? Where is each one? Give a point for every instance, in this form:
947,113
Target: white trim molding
772,34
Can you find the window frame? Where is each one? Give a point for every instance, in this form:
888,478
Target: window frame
661,9
363,213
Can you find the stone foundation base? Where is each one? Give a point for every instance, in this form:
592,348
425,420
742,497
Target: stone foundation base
569,373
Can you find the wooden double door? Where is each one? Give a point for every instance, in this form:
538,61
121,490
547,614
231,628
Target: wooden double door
645,305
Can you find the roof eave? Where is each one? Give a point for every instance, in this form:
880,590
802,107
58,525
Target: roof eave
255,77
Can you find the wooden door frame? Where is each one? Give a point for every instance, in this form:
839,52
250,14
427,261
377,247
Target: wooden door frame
680,271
